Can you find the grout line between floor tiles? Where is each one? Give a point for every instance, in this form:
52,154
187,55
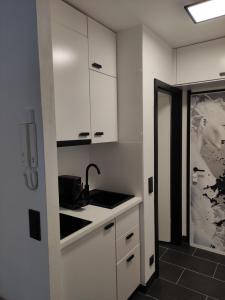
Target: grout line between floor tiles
187,288
163,253
201,258
148,296
197,292
195,250
180,276
193,271
206,259
215,270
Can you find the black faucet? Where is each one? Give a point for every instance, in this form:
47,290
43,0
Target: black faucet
86,188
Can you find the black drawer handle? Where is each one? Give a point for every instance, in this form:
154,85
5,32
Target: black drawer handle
222,74
99,133
96,65
107,227
130,258
83,134
129,236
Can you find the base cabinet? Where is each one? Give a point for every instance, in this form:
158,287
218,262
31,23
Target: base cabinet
128,274
105,264
88,267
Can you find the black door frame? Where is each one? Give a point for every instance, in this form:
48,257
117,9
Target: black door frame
176,169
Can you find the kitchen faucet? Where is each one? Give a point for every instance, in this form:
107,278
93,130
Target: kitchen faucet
86,188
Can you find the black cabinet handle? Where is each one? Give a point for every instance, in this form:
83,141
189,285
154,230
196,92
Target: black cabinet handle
99,133
130,258
96,65
107,227
83,134
129,236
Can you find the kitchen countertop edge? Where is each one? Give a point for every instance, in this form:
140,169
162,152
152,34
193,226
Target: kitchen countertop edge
105,215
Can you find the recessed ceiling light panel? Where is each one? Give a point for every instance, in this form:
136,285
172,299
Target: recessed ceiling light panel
206,10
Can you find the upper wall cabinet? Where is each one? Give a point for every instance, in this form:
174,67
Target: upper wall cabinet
201,62
71,75
102,48
68,16
103,93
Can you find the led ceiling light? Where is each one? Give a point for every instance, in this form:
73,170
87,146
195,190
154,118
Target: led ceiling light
206,10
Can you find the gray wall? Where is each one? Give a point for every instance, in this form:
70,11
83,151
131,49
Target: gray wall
24,263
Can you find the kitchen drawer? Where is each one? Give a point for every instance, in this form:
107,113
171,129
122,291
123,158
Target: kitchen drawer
128,274
127,221
127,242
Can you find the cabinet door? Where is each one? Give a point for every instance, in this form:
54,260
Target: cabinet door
68,16
201,62
103,92
128,274
102,48
71,82
89,267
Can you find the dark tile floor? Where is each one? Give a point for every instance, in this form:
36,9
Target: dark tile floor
186,273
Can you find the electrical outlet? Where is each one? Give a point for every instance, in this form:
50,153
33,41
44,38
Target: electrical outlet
150,185
151,260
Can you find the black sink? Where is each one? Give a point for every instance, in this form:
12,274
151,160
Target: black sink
107,199
69,225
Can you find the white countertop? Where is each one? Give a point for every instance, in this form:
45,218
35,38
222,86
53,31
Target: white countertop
98,215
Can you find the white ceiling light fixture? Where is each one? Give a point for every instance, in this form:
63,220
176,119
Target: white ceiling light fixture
206,10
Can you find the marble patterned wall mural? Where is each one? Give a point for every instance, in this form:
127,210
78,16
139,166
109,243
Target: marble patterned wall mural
207,170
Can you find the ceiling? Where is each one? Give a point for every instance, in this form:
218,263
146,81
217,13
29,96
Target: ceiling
167,18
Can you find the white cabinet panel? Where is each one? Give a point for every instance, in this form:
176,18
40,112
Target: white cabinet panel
201,62
103,91
68,16
127,221
128,274
127,242
89,268
102,48
71,82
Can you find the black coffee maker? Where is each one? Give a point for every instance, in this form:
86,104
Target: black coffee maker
70,191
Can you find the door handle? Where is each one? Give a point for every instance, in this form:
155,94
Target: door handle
195,169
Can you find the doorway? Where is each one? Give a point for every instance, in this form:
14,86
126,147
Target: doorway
168,164
206,178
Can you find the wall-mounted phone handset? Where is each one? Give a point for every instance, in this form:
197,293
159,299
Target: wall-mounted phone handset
29,150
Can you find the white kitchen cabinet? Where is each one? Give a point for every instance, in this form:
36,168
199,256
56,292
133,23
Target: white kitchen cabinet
68,16
201,62
103,92
102,48
88,269
71,83
128,274
128,253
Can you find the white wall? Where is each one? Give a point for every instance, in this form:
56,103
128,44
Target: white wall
158,62
24,271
